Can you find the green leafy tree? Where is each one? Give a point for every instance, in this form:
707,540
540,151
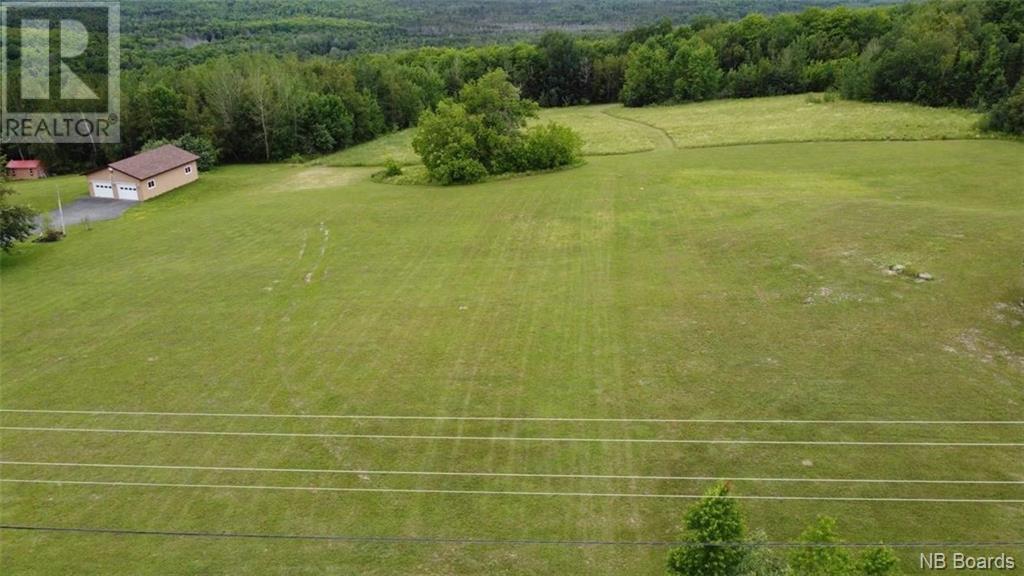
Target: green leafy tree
880,561
715,530
16,222
498,102
161,112
762,560
199,145
991,86
609,75
821,555
564,70
1008,114
327,123
551,145
648,75
697,73
446,141
483,134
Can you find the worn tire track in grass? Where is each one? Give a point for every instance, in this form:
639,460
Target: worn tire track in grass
662,139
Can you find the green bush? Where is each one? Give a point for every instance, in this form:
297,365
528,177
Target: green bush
460,171
447,143
551,145
822,555
1008,114
392,168
482,133
880,561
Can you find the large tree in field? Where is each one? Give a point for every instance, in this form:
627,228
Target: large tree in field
482,133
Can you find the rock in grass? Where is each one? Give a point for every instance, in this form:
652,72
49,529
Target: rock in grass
925,276
897,268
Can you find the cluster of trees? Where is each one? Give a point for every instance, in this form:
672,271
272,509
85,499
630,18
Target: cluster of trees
718,543
258,107
481,132
940,53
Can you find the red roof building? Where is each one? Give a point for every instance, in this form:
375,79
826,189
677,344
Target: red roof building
25,169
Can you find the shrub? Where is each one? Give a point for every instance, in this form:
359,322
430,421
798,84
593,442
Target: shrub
459,171
1008,114
821,556
447,143
551,145
761,559
392,168
880,561
50,234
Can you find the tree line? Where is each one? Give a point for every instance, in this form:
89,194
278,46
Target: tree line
259,107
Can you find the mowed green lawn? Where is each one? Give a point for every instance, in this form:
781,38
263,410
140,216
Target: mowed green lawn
802,118
740,282
41,195
613,129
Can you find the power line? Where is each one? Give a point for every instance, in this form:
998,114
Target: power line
518,418
740,441
508,492
491,541
509,474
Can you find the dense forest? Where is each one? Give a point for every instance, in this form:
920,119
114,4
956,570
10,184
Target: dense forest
257,106
190,31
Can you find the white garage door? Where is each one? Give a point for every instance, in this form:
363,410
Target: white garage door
127,192
102,190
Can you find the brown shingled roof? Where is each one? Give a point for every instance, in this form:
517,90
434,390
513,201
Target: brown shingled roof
156,161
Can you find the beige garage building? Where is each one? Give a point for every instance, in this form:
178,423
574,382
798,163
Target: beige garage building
145,175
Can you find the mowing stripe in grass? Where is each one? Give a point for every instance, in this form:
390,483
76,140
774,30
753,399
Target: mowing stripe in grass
506,492
509,474
491,541
517,418
521,438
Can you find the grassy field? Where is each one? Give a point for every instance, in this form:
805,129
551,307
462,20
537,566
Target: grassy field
744,282
614,129
42,194
800,119
397,146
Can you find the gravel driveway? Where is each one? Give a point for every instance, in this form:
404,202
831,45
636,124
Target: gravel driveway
91,209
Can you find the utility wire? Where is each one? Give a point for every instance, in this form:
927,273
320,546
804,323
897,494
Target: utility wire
492,541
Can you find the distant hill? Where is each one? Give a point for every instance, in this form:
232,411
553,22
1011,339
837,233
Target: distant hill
195,29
